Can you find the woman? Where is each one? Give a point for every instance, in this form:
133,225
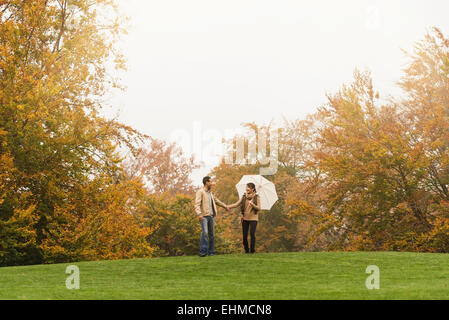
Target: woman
249,206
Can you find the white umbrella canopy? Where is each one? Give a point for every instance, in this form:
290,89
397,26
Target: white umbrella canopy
265,189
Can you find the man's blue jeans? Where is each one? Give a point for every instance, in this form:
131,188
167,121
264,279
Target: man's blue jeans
207,236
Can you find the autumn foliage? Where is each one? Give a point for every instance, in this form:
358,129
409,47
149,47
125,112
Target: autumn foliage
361,173
63,192
384,164
364,173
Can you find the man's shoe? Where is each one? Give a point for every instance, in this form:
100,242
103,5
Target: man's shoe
203,255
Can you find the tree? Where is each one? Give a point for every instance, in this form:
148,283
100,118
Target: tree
164,167
376,168
425,108
17,234
281,228
176,228
53,77
99,222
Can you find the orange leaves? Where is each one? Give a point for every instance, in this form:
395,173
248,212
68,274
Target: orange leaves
164,167
59,158
385,166
97,227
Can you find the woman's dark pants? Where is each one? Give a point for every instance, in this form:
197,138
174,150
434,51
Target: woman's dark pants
251,226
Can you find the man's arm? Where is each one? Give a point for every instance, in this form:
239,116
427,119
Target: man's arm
219,203
198,199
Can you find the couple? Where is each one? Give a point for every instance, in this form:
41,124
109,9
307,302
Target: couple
206,209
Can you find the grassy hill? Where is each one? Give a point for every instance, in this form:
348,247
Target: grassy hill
323,275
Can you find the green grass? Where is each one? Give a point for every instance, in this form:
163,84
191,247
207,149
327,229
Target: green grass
279,276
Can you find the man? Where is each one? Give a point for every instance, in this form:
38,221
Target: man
206,209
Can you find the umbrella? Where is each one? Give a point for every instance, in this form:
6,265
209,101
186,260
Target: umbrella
265,189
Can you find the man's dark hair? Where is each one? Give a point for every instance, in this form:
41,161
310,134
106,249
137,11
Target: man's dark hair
206,179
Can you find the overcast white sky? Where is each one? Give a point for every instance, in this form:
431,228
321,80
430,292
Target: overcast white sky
207,66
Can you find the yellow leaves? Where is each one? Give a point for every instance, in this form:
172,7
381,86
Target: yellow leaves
97,225
17,232
64,153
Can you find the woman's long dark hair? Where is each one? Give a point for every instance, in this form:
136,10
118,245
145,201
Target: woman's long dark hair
252,186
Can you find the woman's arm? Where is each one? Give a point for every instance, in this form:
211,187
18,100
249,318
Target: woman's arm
235,205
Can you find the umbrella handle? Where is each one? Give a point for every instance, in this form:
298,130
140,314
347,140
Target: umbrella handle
255,210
